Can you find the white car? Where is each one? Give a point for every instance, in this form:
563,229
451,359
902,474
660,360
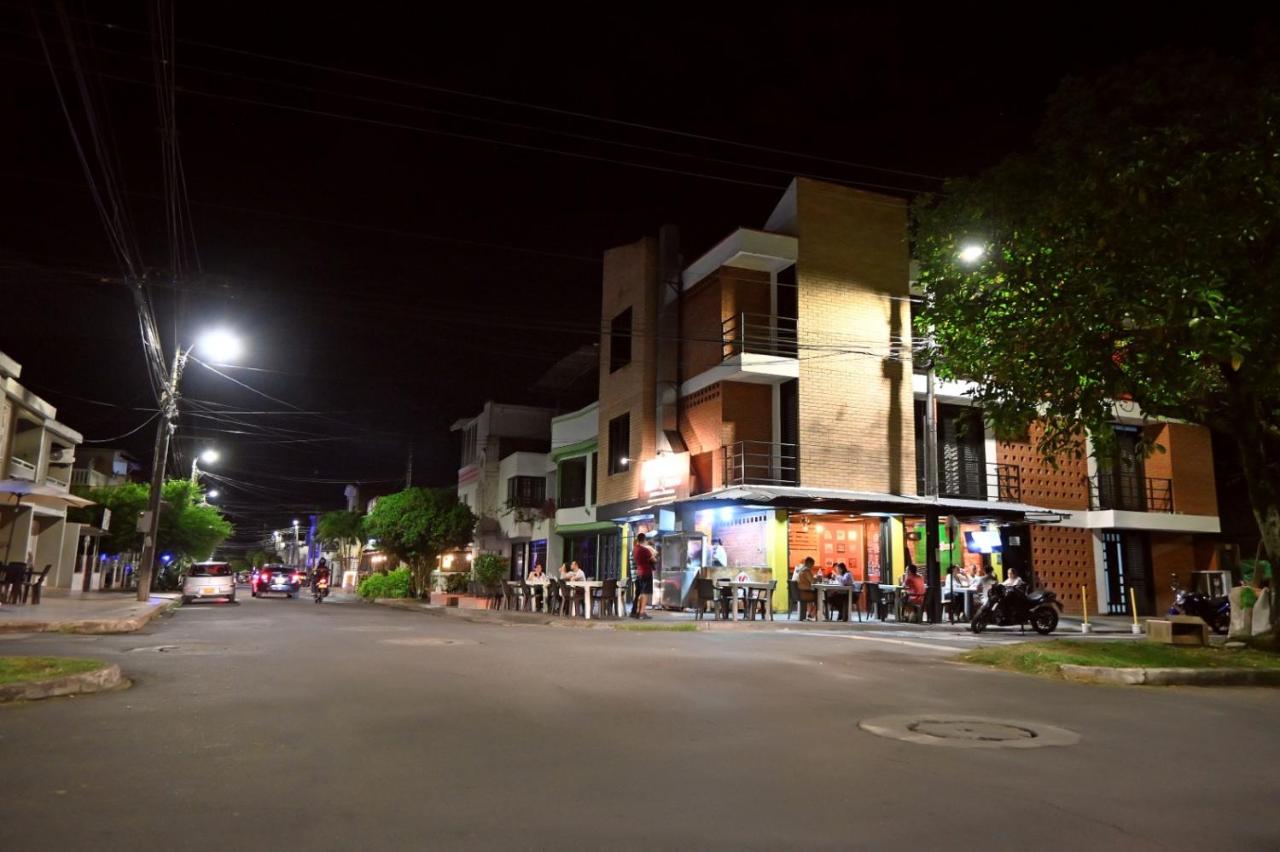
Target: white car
209,580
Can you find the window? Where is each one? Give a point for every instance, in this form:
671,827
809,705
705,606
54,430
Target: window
620,341
573,482
619,444
526,492
469,441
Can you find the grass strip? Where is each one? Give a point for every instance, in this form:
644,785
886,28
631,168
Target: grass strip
1045,657
22,669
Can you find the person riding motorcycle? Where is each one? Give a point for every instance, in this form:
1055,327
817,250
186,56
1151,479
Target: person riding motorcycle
320,589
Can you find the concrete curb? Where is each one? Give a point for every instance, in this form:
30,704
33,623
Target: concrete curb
1171,677
91,625
98,680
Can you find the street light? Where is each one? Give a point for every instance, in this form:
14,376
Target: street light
212,495
971,253
217,345
297,549
209,456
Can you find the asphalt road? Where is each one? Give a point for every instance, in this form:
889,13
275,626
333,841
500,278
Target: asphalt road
279,724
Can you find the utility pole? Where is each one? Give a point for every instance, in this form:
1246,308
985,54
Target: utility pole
408,471
933,572
159,457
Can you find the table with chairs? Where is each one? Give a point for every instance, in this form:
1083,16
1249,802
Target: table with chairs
22,585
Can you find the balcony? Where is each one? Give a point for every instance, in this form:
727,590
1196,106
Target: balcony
758,334
54,481
89,478
760,463
972,480
1127,492
22,469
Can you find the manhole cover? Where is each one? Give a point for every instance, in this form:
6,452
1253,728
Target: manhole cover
969,731
420,641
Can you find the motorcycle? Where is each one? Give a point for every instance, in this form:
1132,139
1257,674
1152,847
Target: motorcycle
1216,612
1006,606
320,589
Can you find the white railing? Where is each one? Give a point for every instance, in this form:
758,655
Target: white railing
89,477
22,469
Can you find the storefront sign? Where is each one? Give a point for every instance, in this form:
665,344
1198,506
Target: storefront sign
662,476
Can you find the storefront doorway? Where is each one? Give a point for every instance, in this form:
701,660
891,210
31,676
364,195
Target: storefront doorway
1126,562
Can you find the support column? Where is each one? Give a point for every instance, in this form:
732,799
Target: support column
932,578
776,554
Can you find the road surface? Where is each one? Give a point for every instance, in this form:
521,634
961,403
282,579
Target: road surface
278,724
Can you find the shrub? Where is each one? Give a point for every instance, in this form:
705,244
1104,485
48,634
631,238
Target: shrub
392,585
373,586
490,568
455,582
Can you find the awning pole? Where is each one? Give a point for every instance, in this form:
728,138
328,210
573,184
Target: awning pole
17,510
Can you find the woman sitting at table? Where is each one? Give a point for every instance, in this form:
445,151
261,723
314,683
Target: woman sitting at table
537,575
836,598
953,589
804,580
913,590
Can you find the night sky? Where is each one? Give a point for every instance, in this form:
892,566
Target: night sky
389,279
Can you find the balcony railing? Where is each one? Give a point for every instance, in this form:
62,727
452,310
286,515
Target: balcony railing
1128,492
758,334
760,463
975,480
89,477
54,481
22,469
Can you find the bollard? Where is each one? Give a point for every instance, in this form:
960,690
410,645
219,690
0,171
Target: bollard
1084,596
1133,607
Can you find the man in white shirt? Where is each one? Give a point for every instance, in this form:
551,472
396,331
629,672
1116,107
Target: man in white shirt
719,556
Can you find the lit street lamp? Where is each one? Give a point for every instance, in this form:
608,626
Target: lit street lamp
219,345
971,253
209,456
212,495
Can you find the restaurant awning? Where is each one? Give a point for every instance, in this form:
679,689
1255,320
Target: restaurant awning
860,502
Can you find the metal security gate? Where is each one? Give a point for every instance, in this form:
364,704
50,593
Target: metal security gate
1127,566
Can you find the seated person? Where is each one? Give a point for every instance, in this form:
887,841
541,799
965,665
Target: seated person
1013,581
804,579
913,593
576,574
537,576
980,584
953,588
837,600
845,576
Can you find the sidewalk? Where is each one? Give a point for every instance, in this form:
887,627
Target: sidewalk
93,612
1068,626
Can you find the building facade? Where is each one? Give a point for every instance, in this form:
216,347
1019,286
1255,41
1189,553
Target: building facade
37,454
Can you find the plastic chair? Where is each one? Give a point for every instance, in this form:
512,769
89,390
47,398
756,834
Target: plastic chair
706,594
762,600
551,597
34,585
793,598
607,597
574,599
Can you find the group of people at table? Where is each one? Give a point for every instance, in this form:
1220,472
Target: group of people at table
957,585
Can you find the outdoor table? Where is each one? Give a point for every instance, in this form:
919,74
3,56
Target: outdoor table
734,585
855,589
891,592
587,586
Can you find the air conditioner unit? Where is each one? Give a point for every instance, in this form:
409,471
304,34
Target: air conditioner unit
58,454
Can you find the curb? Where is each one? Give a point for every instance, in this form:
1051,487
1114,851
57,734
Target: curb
1171,677
98,680
91,626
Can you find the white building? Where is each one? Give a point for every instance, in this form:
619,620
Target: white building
506,477
577,534
36,457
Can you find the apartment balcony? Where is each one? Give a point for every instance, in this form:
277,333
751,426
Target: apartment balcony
760,463
89,478
971,480
757,348
1128,492
22,469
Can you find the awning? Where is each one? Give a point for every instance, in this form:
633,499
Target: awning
15,492
839,500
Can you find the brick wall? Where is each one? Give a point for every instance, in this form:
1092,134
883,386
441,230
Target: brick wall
1172,555
1062,487
721,414
1191,456
852,275
1062,558
701,313
630,280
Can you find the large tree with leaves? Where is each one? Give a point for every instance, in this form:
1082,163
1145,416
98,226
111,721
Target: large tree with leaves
189,527
416,525
1132,255
345,532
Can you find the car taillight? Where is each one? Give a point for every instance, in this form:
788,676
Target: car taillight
297,578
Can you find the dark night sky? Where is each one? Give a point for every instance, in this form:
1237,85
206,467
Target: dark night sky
345,251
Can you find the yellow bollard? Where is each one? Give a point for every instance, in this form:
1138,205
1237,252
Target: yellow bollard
1133,608
1084,596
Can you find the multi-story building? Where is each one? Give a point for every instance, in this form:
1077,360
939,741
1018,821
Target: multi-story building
578,534
100,468
763,401
36,457
504,477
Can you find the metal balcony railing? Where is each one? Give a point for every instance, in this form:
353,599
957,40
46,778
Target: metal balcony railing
975,480
760,463
22,469
758,334
1128,492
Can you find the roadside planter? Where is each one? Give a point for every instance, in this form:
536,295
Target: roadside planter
33,678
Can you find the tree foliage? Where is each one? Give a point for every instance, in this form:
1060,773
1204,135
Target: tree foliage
1132,255
345,532
189,528
417,524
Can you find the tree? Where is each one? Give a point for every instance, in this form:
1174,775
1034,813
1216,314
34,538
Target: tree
345,532
189,528
258,558
416,525
1132,255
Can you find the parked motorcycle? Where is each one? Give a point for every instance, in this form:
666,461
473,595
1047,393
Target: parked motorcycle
1216,612
320,589
1006,607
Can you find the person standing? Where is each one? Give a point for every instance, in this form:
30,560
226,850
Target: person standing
645,559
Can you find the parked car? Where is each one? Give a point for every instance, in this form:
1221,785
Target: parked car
207,580
276,578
